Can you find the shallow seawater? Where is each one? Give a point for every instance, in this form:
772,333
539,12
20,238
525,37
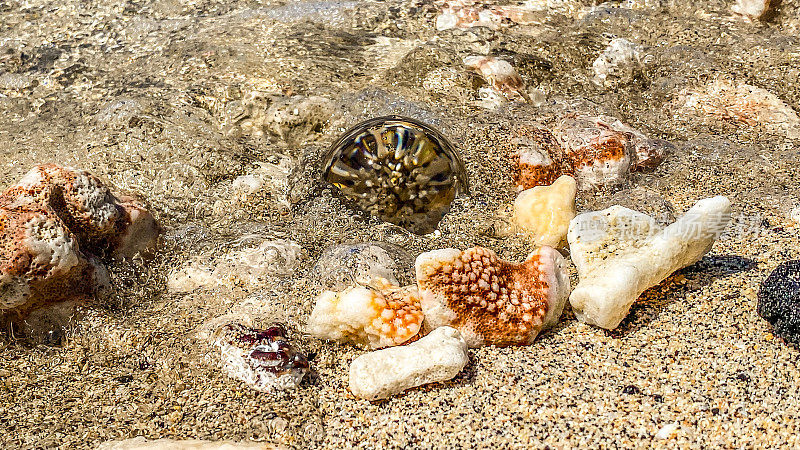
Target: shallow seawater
220,114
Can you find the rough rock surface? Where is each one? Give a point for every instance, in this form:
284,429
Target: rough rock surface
56,224
544,212
779,301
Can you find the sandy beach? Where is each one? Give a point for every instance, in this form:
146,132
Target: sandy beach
218,114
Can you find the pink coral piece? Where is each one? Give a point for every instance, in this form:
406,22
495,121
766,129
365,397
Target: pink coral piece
491,301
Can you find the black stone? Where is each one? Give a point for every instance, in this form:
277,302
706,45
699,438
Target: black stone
779,301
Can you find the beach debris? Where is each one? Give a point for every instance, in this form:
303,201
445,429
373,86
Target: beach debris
491,301
247,267
439,356
779,301
742,104
603,151
667,431
374,316
751,10
265,360
618,63
397,169
345,265
794,214
598,151
539,158
141,443
56,224
501,76
467,14
544,212
619,253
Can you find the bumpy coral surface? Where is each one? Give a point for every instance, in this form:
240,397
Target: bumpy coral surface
779,301
55,224
544,212
264,359
491,301
375,316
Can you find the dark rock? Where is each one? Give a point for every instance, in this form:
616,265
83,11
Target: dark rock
779,301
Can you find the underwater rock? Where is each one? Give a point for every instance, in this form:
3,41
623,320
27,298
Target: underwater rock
742,104
467,14
439,356
346,265
248,266
751,10
500,75
374,316
55,225
618,63
491,301
539,158
779,301
597,151
544,212
603,151
264,359
619,253
397,169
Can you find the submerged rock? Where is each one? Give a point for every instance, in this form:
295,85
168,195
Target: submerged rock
375,316
598,151
491,301
779,301
248,267
55,226
742,104
439,356
618,63
501,76
346,265
397,169
619,253
264,359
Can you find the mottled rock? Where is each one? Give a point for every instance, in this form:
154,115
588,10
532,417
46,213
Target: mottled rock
544,212
598,151
619,253
779,301
374,316
439,356
742,105
56,224
618,63
491,301
265,360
